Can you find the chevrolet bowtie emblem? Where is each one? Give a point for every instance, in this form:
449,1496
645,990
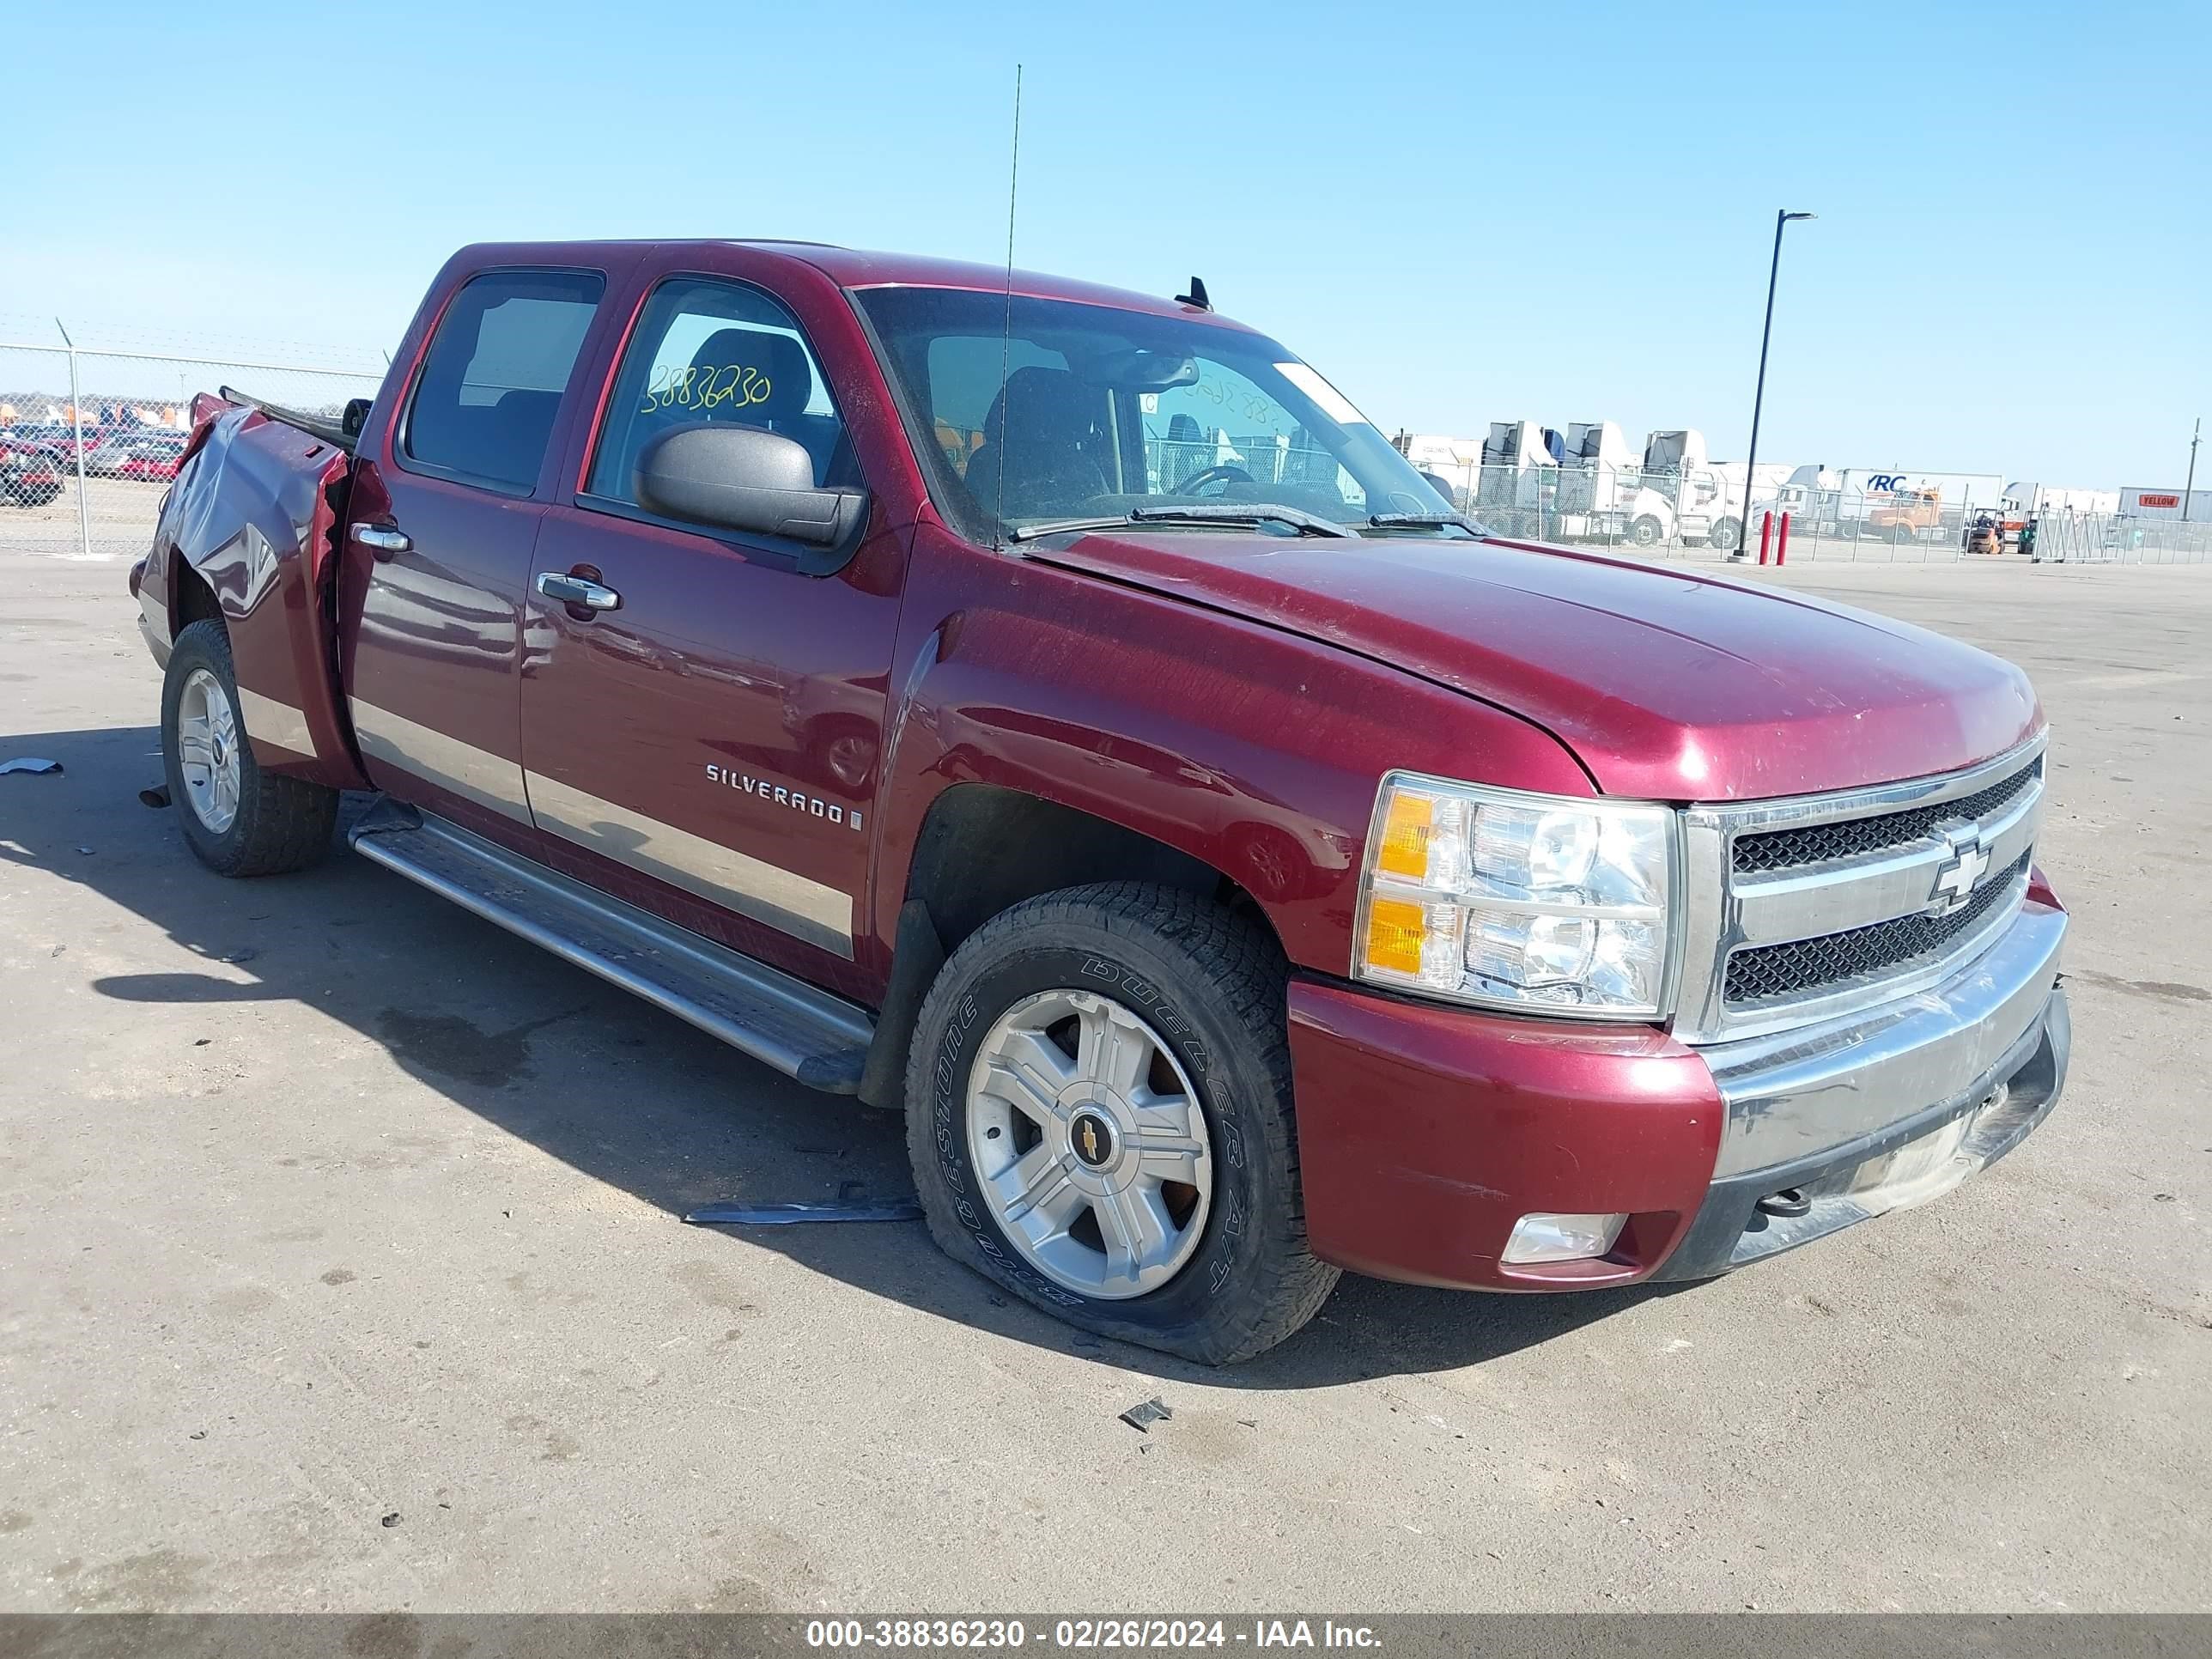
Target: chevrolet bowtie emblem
1089,1143
1957,876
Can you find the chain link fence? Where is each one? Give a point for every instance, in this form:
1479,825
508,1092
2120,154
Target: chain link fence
2115,538
90,438
1698,513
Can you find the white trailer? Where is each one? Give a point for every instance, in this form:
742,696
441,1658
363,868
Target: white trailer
2048,499
1457,461
2165,501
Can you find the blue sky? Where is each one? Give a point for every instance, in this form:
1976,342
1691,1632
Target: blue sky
1459,213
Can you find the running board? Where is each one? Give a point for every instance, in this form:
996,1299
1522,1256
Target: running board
807,1034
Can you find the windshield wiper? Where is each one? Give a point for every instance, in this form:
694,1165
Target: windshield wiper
1426,522
1306,524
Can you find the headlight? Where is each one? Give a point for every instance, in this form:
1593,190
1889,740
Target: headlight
1547,903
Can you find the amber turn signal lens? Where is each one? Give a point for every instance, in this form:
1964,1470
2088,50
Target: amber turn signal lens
1407,825
1394,931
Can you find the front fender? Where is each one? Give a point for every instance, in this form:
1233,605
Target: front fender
1256,752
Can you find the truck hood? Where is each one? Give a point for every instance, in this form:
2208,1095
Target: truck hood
1668,684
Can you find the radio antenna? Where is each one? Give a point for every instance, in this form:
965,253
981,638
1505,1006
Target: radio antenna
1006,340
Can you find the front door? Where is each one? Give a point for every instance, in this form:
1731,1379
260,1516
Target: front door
442,527
703,735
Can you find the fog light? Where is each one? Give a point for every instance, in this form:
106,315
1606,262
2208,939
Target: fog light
1546,1236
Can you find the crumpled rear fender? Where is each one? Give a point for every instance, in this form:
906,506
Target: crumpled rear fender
256,512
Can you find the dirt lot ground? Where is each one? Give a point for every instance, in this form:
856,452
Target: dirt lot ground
342,1271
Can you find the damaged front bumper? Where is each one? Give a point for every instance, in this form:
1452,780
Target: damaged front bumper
1426,1133
1883,1111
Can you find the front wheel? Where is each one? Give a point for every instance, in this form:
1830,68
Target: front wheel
1728,535
1645,531
238,819
1098,1112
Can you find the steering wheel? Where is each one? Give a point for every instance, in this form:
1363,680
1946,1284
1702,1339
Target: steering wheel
1224,474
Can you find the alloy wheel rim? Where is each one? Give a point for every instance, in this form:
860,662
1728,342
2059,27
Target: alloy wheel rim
207,750
1088,1143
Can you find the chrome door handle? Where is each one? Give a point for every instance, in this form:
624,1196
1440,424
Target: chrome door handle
382,537
576,590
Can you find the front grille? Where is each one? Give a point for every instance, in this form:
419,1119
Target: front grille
1818,965
1822,843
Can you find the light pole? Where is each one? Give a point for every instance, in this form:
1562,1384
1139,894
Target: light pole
2189,490
1758,398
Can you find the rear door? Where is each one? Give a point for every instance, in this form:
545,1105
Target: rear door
706,744
441,537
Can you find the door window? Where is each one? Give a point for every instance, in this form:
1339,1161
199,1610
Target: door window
717,351
493,378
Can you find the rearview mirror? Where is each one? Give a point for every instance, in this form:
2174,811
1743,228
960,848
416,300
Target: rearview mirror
1138,370
741,478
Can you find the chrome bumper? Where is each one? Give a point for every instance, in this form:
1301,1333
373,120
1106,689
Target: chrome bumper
1884,1109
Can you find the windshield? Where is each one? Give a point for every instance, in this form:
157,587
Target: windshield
1084,411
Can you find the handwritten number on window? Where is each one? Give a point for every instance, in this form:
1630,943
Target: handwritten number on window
734,386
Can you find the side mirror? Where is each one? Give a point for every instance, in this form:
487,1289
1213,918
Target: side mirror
743,479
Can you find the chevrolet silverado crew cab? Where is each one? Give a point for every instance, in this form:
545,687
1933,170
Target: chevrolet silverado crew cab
1056,714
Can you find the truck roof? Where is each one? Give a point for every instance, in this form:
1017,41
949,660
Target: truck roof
860,268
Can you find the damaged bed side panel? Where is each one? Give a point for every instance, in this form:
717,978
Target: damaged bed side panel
256,512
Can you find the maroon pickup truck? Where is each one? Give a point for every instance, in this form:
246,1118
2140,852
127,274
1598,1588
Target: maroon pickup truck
1056,713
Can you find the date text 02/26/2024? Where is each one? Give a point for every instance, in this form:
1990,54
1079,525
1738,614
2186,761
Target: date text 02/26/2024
855,1635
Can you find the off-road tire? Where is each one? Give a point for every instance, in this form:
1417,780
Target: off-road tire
1211,984
282,824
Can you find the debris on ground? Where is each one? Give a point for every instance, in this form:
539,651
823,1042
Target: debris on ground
155,795
1143,1416
779,1215
391,1519
36,768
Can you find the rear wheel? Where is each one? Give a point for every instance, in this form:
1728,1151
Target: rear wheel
1728,535
238,819
1099,1117
1645,530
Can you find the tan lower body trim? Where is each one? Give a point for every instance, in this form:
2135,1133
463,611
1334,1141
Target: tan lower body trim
269,720
473,774
806,909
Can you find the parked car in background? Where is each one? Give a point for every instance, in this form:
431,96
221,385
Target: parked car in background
150,459
107,448
1234,874
63,439
30,472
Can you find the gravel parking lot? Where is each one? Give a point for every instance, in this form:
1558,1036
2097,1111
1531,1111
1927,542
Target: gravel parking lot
342,1272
